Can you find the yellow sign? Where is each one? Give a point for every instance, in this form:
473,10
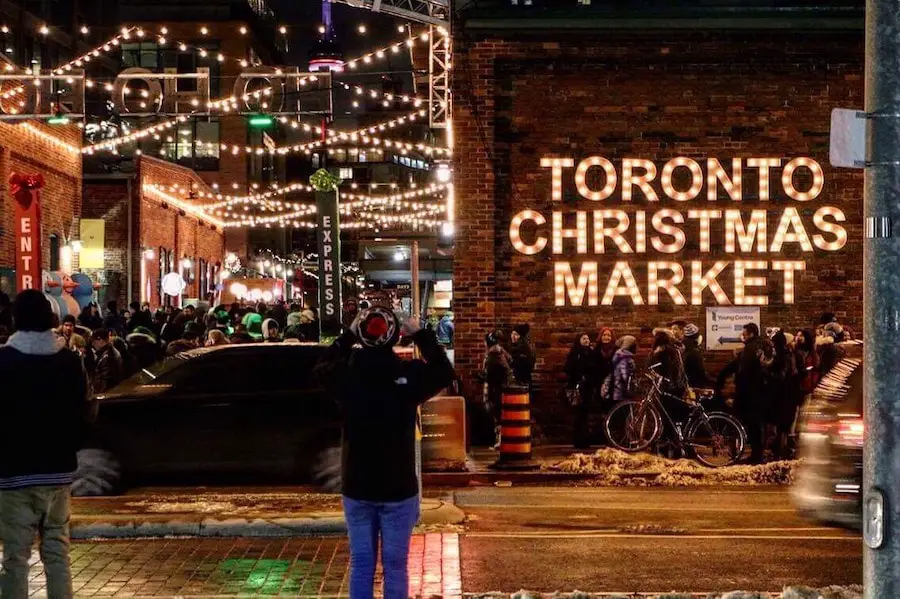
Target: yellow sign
93,241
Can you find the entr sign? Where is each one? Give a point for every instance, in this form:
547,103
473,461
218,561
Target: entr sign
26,190
665,231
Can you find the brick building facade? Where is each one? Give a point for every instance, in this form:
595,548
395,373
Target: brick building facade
163,233
54,152
655,96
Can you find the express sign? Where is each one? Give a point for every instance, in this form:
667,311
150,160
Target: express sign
715,229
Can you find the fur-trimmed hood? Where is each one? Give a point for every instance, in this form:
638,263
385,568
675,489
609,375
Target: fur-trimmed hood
34,343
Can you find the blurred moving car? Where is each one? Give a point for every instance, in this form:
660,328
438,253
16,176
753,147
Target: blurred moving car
242,411
829,477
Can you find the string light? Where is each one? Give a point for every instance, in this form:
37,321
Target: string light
112,144
188,207
51,138
380,53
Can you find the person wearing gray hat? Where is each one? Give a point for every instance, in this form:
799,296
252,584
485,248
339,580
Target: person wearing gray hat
694,368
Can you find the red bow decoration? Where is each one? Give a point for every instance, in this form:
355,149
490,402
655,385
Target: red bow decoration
19,182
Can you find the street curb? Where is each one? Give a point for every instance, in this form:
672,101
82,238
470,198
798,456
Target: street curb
155,526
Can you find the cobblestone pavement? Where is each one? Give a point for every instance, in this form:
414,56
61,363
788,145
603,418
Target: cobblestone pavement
312,567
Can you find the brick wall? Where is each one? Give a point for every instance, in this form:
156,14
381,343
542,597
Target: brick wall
26,151
153,227
721,95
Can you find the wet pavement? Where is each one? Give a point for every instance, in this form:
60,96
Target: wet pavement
311,567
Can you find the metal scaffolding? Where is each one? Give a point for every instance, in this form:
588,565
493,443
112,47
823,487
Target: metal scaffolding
439,97
429,12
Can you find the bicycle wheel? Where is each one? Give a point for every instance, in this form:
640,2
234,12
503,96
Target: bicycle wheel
632,426
717,440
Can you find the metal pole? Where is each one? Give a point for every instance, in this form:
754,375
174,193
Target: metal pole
414,274
881,485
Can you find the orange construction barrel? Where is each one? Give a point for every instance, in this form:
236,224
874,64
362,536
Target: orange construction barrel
515,430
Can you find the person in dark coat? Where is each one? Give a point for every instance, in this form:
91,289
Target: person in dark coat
144,347
694,368
380,395
108,368
752,401
806,361
523,356
6,319
89,317
604,350
783,391
42,423
113,321
496,373
579,368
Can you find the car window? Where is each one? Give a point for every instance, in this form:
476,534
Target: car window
250,371
161,373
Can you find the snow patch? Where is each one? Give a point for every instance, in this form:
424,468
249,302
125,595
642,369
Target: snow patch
611,467
798,592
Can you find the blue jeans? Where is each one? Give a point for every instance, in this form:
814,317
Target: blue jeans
393,522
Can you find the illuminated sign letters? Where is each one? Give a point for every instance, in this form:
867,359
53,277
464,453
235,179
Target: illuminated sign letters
753,238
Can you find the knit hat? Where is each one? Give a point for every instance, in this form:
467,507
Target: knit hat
691,330
253,323
627,342
377,327
294,319
141,332
522,329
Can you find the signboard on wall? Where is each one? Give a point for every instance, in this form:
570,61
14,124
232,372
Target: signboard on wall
93,241
26,189
724,324
329,238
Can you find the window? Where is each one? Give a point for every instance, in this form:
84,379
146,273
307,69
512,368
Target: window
194,144
345,173
141,54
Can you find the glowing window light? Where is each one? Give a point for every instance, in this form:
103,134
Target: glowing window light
702,280
601,231
579,233
557,165
839,232
565,284
756,229
696,179
789,267
622,273
763,164
670,285
787,179
715,174
677,234
515,236
705,217
629,179
790,219
581,178
742,281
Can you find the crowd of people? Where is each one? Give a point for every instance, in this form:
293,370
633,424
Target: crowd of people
772,374
116,344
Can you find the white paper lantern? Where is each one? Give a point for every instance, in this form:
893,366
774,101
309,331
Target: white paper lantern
173,284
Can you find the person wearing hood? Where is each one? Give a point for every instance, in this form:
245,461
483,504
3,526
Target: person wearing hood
623,368
279,313
694,368
785,399
806,361
292,331
523,356
826,346
144,347
270,331
579,388
252,322
380,395
668,361
496,373
446,330
309,326
44,412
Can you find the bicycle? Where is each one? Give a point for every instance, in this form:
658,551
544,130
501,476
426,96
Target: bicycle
712,438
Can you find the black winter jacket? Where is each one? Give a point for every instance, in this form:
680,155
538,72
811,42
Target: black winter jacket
43,411
379,394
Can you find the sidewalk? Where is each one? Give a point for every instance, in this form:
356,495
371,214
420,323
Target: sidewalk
312,567
479,471
268,512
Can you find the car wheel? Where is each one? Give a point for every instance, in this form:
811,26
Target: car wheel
326,470
99,473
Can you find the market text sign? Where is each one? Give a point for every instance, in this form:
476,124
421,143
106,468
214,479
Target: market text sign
754,239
